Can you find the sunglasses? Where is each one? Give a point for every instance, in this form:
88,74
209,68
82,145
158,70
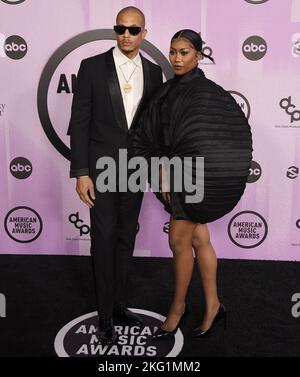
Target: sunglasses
133,30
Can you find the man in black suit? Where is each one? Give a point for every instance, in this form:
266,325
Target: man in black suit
111,90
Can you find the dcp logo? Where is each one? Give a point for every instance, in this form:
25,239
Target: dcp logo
254,47
254,172
208,51
20,168
78,223
287,105
15,47
13,2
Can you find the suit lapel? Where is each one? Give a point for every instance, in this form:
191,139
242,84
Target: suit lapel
115,92
146,74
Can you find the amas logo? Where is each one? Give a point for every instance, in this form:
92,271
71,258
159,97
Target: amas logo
254,48
23,224
242,101
65,85
80,338
247,229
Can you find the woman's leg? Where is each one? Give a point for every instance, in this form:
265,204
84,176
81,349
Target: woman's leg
207,265
180,240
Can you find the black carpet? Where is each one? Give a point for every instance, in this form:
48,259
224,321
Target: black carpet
43,293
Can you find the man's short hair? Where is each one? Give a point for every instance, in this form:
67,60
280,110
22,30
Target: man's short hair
132,9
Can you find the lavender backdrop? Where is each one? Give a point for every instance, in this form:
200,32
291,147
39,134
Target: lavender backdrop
256,46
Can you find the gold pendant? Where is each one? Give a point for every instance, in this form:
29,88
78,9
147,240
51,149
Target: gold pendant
127,88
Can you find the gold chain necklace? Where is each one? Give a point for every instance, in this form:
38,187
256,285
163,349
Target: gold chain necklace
127,87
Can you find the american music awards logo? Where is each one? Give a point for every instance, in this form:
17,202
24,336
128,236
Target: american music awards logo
23,224
247,229
79,338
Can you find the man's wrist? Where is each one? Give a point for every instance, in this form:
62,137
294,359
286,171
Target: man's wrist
74,173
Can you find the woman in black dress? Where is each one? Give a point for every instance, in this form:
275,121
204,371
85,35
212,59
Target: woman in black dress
192,116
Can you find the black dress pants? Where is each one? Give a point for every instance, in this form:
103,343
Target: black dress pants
114,221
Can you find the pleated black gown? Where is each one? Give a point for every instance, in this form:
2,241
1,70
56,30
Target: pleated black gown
192,116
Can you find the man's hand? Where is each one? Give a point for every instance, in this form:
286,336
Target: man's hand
85,190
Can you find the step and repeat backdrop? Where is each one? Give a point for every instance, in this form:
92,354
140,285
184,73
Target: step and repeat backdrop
256,47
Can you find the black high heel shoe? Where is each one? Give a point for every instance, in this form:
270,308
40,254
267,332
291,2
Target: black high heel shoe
160,333
221,314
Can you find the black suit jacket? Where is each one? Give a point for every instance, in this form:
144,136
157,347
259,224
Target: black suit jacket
98,113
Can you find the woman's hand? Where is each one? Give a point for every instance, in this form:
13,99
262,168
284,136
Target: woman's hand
166,196
164,185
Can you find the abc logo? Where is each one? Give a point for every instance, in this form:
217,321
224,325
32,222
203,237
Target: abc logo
254,47
254,172
15,47
20,167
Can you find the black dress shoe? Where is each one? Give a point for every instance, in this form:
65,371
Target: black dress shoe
124,316
160,333
221,314
106,333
